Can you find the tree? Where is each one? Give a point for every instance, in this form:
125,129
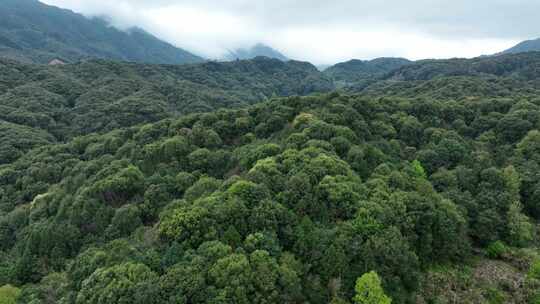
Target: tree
124,283
120,187
9,294
418,170
520,230
369,291
192,224
125,221
534,271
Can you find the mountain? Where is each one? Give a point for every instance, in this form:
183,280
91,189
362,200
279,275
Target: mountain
216,182
43,104
520,65
31,31
525,46
353,71
255,51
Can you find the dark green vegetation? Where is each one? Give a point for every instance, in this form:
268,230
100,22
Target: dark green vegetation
523,66
44,104
497,76
424,188
508,74
256,51
356,72
287,201
31,31
525,46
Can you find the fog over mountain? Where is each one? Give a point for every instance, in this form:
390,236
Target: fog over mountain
257,50
328,32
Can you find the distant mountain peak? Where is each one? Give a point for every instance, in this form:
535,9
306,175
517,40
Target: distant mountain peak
524,46
257,50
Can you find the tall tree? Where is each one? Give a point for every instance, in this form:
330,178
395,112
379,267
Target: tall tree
369,290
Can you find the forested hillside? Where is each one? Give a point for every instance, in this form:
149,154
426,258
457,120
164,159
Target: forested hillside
255,181
490,75
495,76
524,66
287,201
358,71
31,31
44,104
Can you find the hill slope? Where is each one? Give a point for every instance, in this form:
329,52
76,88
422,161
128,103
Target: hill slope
525,46
288,201
59,102
522,65
355,70
31,31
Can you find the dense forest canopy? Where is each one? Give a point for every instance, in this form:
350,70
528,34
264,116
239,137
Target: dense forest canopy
263,181
45,104
488,75
327,198
353,71
525,66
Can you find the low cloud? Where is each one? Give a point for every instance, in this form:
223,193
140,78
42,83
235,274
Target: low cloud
328,31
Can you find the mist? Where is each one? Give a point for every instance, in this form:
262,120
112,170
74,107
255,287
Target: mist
325,32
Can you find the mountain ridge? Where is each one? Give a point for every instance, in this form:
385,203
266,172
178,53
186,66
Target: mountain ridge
532,45
34,32
355,69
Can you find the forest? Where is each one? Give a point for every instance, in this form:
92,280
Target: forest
48,104
263,181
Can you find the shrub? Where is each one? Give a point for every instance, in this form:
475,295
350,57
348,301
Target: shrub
496,250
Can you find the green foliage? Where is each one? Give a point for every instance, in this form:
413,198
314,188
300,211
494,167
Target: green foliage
495,296
186,223
286,201
124,283
534,271
51,289
9,294
355,72
520,230
517,65
369,290
418,169
48,104
120,187
496,250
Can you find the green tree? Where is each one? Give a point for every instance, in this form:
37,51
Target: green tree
418,170
124,283
118,188
369,290
9,294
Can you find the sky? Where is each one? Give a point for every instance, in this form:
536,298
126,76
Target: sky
327,32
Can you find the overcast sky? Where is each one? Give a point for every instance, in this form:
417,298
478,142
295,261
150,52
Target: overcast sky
325,32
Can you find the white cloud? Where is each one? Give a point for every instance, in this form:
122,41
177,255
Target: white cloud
328,31
339,44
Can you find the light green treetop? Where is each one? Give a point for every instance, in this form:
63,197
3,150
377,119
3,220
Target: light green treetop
369,291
